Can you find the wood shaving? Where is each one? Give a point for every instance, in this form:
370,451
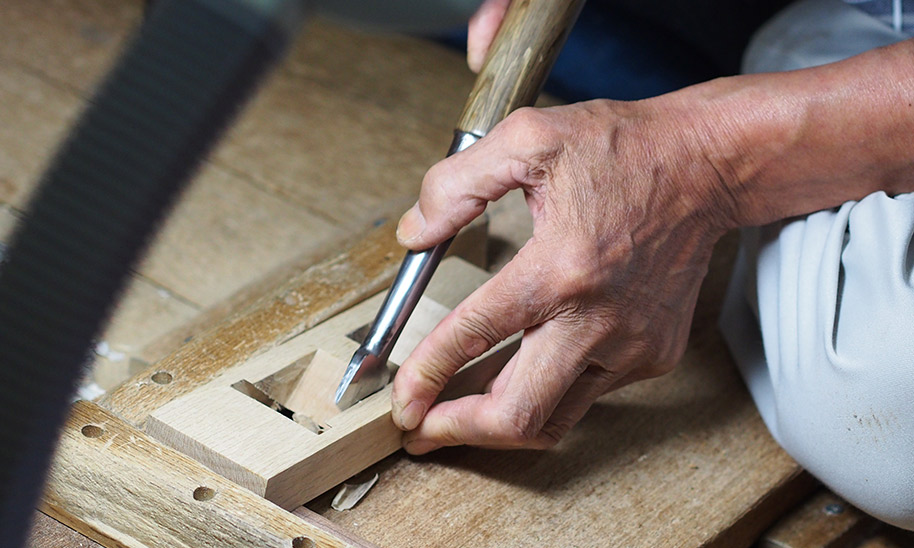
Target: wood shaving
351,493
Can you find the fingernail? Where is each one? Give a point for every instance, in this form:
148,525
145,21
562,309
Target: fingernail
412,415
420,447
473,61
412,225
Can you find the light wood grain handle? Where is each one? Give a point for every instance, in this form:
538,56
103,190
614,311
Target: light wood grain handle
520,58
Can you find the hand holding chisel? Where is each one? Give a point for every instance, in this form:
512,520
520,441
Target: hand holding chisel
521,56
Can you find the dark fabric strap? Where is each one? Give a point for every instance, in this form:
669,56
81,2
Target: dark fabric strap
173,90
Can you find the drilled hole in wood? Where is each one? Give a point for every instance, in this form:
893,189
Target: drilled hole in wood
162,377
303,542
92,431
204,493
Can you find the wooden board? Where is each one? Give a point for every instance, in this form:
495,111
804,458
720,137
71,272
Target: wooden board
823,521
248,231
359,117
70,43
679,461
35,116
223,427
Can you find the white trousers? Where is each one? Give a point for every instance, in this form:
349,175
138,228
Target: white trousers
820,311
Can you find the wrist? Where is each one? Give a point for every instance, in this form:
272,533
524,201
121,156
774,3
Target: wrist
738,131
700,143
786,144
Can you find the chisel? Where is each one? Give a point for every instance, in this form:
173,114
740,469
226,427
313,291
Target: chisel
519,59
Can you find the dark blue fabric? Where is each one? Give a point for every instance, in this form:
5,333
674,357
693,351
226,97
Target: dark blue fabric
614,55
627,50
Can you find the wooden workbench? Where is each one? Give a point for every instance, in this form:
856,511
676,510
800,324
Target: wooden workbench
336,143
333,145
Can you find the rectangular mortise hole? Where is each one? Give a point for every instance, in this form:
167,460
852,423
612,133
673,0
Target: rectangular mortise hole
302,391
359,334
252,391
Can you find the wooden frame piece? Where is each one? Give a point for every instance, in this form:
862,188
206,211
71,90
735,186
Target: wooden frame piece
121,488
234,433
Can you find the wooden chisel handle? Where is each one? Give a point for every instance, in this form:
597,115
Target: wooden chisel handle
519,59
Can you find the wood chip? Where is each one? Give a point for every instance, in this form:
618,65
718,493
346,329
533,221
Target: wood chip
307,422
351,493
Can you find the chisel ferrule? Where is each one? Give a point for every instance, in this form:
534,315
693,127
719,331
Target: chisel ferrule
367,372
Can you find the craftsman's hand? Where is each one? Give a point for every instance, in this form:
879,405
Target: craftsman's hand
626,211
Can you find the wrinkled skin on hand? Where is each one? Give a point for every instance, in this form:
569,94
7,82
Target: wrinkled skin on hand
625,217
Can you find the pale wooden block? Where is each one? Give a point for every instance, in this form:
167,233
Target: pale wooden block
426,316
308,386
261,449
235,435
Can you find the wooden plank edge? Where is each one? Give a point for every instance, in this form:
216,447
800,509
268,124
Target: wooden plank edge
117,486
822,521
747,527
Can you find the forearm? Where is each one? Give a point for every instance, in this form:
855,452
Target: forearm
791,143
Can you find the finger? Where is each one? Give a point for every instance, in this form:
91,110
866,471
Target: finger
482,29
593,383
525,394
456,190
504,305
